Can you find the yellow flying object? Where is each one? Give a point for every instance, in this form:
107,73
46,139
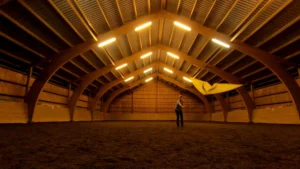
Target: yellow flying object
205,88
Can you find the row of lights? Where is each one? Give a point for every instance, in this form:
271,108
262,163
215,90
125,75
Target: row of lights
175,23
150,53
130,78
184,78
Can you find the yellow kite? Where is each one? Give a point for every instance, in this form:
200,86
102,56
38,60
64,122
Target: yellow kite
205,88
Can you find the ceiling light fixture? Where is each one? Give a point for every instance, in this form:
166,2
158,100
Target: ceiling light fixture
182,26
187,79
221,43
168,70
146,55
106,42
149,79
128,79
172,55
148,70
120,67
143,26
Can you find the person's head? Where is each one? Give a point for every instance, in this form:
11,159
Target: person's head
180,96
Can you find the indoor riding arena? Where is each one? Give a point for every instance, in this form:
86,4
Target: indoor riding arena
142,84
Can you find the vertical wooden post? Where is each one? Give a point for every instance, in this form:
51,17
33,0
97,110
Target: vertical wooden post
252,92
69,91
228,103
156,98
213,108
89,104
28,80
131,101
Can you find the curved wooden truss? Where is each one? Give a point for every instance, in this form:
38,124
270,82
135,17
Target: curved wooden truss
226,76
106,105
107,86
269,60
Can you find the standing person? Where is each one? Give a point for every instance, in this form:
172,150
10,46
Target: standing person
178,110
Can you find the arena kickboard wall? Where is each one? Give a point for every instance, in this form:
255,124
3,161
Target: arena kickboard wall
275,107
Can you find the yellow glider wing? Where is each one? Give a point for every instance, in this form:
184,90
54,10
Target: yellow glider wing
205,88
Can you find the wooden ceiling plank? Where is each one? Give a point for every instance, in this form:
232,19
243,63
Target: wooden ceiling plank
65,19
28,8
26,30
21,44
245,18
122,18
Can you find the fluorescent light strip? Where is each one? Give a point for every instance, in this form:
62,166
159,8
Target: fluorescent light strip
148,70
106,42
182,26
120,67
143,26
149,79
128,79
221,43
168,70
172,55
146,55
187,79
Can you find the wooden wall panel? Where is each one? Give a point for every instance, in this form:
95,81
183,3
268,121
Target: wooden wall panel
11,89
155,97
82,114
13,112
156,117
51,97
48,113
82,104
13,85
218,116
12,76
238,116
279,115
98,116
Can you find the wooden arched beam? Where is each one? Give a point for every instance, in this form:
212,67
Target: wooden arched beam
119,91
225,75
89,78
103,89
107,86
208,106
58,60
123,89
270,61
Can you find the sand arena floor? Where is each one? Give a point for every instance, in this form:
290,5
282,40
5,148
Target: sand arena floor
149,145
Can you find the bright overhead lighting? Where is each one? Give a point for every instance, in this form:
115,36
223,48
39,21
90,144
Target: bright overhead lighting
168,70
148,70
187,79
146,55
106,42
172,55
120,67
128,79
182,26
221,43
143,26
149,79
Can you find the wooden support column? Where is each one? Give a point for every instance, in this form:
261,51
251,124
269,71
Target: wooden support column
252,92
69,91
228,102
29,74
131,101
